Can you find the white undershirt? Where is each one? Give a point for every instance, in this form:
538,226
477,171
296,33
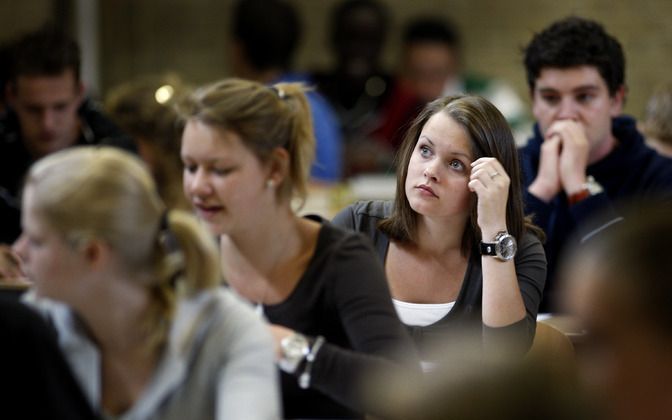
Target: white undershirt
421,314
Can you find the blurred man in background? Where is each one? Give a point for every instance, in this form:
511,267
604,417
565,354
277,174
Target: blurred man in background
47,112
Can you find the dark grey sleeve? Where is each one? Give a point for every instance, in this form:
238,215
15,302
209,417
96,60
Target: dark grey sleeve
531,273
345,218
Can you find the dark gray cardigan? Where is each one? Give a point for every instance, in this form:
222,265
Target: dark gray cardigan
530,261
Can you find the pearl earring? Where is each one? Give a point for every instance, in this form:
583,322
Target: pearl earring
270,183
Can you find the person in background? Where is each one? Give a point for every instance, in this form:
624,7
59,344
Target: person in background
432,66
357,85
618,286
657,122
145,109
47,112
132,289
265,34
246,149
458,252
583,152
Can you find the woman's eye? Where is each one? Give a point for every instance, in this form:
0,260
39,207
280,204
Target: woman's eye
456,164
222,171
34,242
425,151
190,168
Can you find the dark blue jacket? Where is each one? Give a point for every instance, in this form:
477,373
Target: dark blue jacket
631,170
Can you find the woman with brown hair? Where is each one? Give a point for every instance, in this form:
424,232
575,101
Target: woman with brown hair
457,250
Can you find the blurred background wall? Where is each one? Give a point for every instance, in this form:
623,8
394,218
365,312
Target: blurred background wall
189,37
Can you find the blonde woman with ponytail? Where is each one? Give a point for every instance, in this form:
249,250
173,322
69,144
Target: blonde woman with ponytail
132,290
246,149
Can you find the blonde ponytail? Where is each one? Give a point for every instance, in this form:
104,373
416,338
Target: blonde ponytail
104,193
187,262
301,140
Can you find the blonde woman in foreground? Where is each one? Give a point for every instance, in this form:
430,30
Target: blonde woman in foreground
132,290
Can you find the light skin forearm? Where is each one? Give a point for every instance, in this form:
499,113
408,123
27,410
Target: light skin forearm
502,302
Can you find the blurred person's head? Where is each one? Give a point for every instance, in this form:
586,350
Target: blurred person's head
618,284
145,109
92,221
265,34
245,146
430,56
657,122
469,384
476,129
576,71
358,32
45,90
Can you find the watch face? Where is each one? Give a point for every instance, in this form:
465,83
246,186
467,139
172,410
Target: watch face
294,348
506,247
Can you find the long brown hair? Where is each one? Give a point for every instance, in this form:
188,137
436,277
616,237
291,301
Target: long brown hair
490,136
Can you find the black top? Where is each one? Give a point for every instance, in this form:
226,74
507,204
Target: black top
35,370
342,296
631,170
466,314
15,159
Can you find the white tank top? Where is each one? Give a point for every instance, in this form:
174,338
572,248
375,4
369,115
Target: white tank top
421,314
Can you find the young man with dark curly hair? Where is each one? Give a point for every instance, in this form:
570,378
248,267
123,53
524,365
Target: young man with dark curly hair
584,155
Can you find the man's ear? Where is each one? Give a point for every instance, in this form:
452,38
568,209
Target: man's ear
618,101
278,165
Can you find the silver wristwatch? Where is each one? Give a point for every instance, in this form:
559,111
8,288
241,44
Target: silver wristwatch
294,349
504,248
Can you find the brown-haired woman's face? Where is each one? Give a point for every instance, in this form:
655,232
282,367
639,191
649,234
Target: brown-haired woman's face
438,171
223,179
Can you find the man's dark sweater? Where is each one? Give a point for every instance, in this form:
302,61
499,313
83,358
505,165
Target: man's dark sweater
631,170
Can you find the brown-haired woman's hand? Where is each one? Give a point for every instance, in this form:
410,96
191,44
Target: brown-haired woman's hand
491,183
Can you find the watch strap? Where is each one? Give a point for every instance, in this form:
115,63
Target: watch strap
489,248
589,188
578,196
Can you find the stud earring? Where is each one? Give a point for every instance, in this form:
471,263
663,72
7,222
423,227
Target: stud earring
270,183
